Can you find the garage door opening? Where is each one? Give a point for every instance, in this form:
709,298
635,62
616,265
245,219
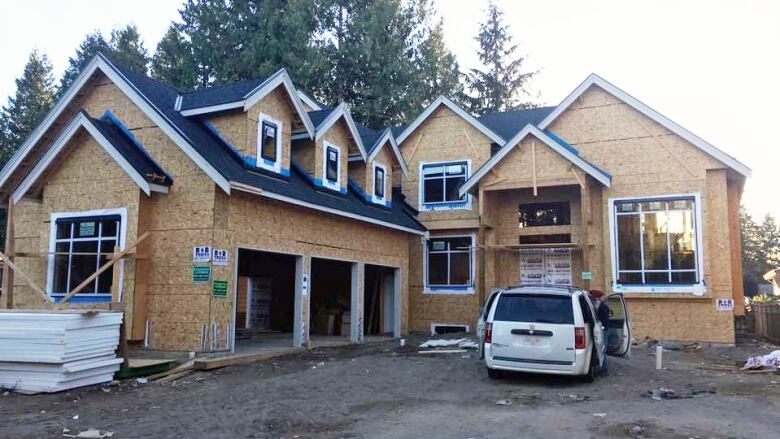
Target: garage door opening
331,298
379,300
265,297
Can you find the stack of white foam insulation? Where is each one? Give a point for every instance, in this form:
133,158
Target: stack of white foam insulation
50,351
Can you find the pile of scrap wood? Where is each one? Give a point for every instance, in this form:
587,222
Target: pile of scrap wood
174,374
50,351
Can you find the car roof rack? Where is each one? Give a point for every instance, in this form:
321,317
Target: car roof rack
568,288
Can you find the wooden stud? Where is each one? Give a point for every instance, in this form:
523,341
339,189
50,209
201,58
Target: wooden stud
414,150
115,276
663,146
27,278
8,275
533,166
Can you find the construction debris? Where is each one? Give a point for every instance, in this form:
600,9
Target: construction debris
462,343
503,402
174,374
769,362
444,351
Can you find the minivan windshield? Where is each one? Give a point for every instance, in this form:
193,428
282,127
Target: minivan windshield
534,308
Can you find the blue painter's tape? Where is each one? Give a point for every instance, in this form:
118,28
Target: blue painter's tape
83,298
285,172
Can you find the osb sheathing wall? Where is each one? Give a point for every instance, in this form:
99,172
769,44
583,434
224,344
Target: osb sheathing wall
241,128
87,179
443,136
340,136
646,159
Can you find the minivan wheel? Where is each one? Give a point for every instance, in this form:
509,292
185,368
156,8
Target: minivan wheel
590,375
494,374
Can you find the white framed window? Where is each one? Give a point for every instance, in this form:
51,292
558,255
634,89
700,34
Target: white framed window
79,244
331,166
269,143
656,244
439,185
379,185
448,265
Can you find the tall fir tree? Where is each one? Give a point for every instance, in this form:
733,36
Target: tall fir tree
125,46
760,249
173,61
34,97
504,82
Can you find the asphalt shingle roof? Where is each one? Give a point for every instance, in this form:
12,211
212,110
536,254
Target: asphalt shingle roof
509,123
219,94
230,165
131,150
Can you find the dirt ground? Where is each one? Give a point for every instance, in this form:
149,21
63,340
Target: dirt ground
383,391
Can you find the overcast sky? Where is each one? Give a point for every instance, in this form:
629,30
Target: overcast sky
711,66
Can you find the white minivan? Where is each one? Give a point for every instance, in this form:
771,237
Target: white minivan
550,329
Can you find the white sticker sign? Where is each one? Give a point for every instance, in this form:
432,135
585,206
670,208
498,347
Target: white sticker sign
724,304
201,254
220,256
305,285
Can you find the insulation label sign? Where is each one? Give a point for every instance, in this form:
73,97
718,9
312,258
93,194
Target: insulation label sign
87,228
219,288
545,266
201,274
220,257
201,254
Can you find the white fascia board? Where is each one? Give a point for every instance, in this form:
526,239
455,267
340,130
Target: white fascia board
309,101
659,118
80,121
211,109
457,110
280,78
341,111
388,137
297,202
539,134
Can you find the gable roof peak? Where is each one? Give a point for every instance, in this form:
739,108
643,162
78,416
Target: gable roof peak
444,100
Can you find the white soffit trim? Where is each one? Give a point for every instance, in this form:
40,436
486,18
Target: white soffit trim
309,101
341,111
280,78
99,62
659,118
539,134
387,136
244,188
80,121
457,110
211,109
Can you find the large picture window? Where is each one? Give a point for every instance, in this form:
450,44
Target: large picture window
449,262
81,245
656,241
544,214
440,183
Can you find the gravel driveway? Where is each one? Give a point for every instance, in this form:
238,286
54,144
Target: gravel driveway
382,391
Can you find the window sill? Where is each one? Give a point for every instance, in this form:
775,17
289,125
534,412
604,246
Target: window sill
448,290
690,291
83,298
461,205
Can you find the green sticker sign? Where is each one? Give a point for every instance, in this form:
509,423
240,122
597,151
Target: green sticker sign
586,275
219,288
201,274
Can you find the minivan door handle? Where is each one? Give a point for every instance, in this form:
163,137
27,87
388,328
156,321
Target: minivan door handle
539,332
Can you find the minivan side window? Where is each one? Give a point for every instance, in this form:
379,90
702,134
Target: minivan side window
489,304
587,316
535,308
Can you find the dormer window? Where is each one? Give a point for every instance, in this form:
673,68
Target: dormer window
331,167
379,183
269,143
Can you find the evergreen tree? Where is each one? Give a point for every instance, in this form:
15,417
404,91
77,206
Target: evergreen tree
33,99
760,249
125,46
503,82
173,61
